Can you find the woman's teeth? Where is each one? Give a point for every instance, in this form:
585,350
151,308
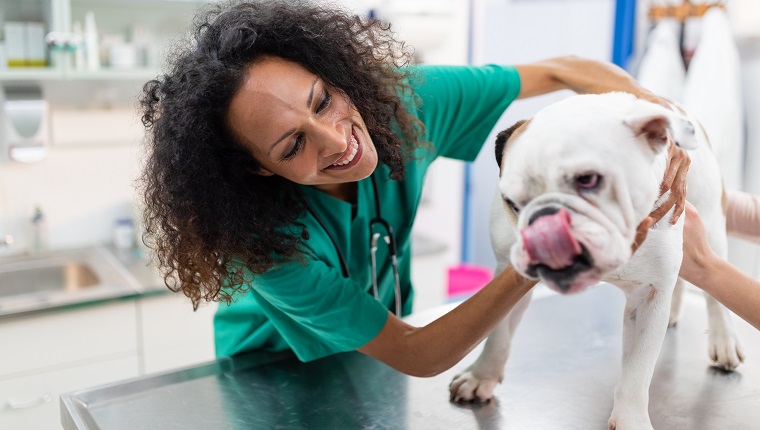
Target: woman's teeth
354,148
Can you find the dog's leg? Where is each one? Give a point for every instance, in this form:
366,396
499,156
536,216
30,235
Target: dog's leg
676,303
645,322
724,346
479,380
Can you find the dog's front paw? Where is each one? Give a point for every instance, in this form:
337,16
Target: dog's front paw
725,349
472,385
627,422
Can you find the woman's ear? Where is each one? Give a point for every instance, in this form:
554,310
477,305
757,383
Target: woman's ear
260,171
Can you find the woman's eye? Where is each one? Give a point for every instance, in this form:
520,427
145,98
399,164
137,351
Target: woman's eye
325,101
512,206
296,147
588,181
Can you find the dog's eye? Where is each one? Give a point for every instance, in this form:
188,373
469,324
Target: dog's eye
588,181
512,206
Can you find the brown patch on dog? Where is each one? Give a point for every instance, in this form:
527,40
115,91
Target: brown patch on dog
724,197
677,108
502,139
704,133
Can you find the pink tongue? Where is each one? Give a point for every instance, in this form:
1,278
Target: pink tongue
549,241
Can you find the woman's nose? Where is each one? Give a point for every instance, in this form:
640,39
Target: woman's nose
333,138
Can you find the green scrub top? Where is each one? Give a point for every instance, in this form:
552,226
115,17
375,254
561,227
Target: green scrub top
311,308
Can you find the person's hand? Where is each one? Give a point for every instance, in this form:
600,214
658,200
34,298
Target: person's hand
641,232
675,172
673,181
696,249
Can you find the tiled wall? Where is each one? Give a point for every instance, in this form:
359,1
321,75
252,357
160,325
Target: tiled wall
81,189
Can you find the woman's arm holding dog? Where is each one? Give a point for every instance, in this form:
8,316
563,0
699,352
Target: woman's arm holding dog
703,268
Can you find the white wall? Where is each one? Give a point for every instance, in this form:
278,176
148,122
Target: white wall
744,254
81,189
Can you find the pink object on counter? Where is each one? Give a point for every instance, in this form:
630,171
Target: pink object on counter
467,279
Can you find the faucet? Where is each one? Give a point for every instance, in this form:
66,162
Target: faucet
6,241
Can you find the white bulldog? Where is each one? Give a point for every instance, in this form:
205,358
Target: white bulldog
575,181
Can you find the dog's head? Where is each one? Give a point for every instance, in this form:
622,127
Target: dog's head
577,179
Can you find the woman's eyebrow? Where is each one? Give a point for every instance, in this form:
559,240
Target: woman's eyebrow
309,99
311,93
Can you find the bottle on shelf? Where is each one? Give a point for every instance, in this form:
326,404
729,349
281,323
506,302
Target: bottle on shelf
91,45
79,49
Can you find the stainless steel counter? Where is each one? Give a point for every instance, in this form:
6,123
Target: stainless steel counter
564,365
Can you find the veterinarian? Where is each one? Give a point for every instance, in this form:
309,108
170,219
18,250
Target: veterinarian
287,152
703,268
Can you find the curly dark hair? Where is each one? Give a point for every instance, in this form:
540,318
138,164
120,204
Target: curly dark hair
207,218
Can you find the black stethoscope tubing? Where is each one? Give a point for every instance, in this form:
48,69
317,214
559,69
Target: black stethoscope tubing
390,240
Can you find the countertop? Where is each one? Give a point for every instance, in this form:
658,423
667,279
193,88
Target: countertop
564,366
128,276
136,278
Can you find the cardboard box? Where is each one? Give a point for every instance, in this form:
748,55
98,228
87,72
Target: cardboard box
15,43
25,44
35,44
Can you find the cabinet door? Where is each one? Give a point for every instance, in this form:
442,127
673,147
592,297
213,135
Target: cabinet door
173,335
48,340
32,402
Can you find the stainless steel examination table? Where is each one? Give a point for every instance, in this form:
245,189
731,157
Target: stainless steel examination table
564,366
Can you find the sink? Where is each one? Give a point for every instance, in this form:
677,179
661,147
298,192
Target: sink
29,283
22,279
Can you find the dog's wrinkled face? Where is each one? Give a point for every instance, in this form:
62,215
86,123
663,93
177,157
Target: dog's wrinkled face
578,178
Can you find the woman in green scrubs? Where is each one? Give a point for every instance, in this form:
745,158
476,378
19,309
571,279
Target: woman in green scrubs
266,136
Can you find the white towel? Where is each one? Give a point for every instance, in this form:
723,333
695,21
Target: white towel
661,69
712,92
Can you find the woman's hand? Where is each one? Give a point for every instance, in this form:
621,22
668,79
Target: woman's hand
673,181
675,172
696,250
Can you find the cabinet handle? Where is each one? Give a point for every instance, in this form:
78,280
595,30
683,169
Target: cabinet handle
45,398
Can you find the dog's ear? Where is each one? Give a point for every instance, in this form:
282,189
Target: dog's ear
654,122
502,138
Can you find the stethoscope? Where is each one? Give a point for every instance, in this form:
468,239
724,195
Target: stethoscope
389,239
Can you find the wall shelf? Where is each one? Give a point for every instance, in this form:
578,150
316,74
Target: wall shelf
29,74
47,74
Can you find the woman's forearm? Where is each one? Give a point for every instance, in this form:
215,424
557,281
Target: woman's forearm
743,215
436,347
730,286
581,75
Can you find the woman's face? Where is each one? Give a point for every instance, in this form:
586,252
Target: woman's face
299,128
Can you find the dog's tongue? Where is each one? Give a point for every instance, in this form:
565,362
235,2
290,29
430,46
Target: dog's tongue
548,241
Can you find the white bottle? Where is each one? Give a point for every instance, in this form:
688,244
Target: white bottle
124,234
78,43
91,46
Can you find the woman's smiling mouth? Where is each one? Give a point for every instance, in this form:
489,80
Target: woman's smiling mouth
350,157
